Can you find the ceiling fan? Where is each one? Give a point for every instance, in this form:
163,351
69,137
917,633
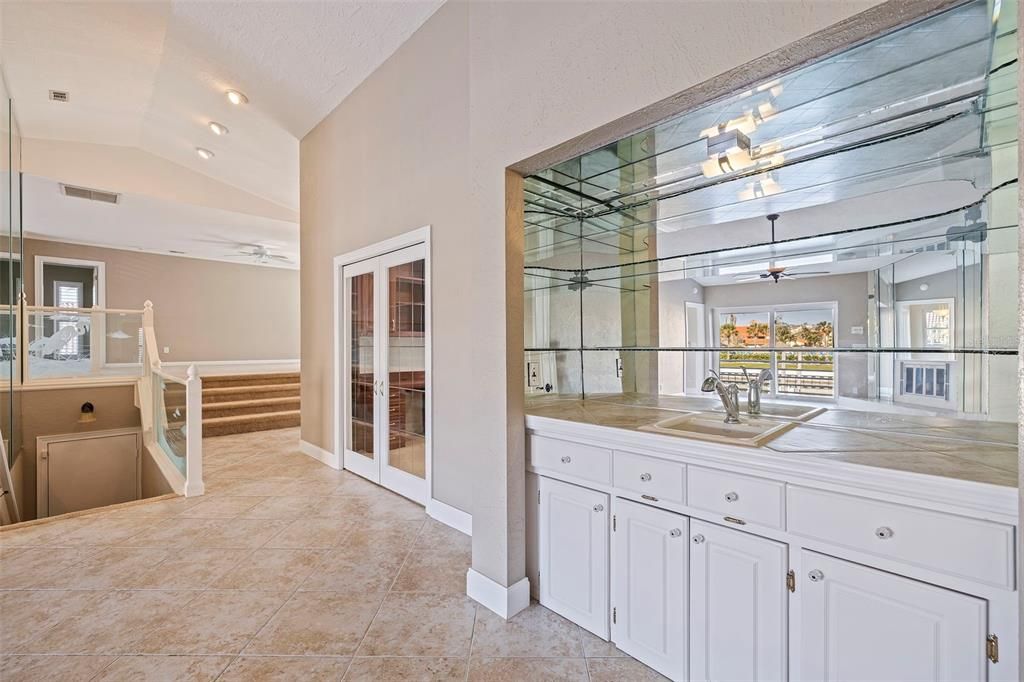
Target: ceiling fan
776,275
260,254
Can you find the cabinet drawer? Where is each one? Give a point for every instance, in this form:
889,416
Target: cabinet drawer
655,479
956,545
738,498
574,459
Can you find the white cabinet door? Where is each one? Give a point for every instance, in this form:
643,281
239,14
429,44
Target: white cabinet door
859,623
738,605
574,554
649,599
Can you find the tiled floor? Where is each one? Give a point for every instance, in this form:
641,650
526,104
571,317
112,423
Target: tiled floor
286,569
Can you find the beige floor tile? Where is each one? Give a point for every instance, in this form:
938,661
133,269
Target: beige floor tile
436,535
30,566
188,569
394,537
312,533
347,570
271,569
618,669
595,647
57,668
113,625
238,533
416,624
169,507
437,571
177,668
281,668
317,623
105,569
519,669
47,609
173,532
100,530
225,507
534,632
283,507
240,486
39,535
350,484
406,669
213,622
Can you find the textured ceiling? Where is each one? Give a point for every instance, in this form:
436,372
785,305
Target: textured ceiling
152,75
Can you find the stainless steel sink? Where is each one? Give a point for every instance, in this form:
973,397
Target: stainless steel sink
751,432
798,413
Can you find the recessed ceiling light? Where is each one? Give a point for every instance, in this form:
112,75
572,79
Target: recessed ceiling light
218,128
204,153
235,97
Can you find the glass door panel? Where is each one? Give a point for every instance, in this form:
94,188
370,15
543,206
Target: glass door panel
743,334
404,468
359,326
801,372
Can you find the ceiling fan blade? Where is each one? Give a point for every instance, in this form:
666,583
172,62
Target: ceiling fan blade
805,274
750,279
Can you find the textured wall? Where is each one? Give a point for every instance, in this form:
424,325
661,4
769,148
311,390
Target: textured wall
426,139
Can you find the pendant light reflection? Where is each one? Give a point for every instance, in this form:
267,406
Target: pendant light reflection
760,188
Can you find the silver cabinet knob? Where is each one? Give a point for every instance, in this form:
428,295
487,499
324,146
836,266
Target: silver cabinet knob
815,576
732,497
599,507
697,539
566,459
675,532
645,477
884,533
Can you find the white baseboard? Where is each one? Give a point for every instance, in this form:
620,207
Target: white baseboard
504,601
450,516
319,454
186,363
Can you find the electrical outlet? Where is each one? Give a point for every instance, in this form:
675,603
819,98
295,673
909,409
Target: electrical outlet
167,349
618,368
533,374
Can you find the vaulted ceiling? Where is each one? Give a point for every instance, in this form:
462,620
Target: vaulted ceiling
152,75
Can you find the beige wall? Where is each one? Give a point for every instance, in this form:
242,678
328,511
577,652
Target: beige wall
204,310
426,139
54,412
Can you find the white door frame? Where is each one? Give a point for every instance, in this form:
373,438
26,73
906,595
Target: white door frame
99,301
341,402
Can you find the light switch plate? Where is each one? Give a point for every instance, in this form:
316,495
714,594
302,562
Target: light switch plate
856,330
533,374
167,349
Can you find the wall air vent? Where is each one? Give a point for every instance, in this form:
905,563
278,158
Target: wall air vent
59,95
91,194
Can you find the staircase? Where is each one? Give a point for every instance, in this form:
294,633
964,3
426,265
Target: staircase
240,403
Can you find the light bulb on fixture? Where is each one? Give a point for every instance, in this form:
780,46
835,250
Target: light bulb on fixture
218,128
236,97
204,153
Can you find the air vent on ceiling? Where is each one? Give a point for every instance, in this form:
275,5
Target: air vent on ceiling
59,95
91,194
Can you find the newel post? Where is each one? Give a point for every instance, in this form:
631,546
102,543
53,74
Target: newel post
194,433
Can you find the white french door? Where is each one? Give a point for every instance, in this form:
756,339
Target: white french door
385,330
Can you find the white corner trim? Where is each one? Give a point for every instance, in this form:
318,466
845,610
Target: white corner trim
319,454
504,601
450,516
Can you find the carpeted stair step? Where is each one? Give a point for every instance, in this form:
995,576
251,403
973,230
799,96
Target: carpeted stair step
260,406
229,394
244,423
267,378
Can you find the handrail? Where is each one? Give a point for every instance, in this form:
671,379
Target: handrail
170,377
81,311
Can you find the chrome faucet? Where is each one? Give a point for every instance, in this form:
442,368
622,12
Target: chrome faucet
754,387
729,393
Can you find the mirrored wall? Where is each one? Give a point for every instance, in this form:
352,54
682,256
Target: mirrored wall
10,275
850,226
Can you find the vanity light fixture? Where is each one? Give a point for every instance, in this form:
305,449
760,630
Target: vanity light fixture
236,97
728,151
758,189
218,128
204,153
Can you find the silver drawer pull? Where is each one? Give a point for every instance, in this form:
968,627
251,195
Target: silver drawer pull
675,532
815,576
566,459
645,477
599,507
698,539
731,497
884,533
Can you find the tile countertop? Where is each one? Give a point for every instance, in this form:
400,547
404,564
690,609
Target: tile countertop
985,452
